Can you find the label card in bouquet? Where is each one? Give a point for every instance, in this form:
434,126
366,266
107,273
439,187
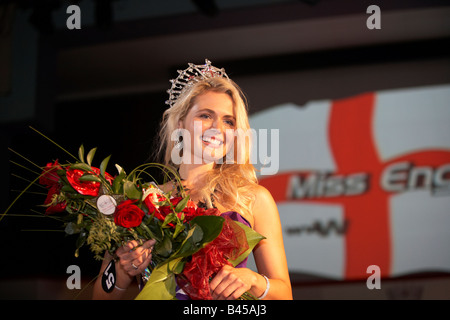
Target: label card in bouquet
106,204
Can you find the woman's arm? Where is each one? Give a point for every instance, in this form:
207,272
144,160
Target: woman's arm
269,254
133,259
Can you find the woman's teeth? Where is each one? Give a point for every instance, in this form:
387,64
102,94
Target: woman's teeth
212,141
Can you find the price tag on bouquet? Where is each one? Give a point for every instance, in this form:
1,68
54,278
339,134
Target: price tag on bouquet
109,277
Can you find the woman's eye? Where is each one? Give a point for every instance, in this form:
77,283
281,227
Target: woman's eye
230,123
205,116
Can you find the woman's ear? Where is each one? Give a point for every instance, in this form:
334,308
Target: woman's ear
180,124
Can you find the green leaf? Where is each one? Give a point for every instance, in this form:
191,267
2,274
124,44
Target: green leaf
164,247
118,182
204,229
177,265
145,231
131,191
152,229
90,177
195,235
68,188
103,165
81,153
191,244
178,228
90,156
171,217
211,226
81,166
181,205
253,238
160,286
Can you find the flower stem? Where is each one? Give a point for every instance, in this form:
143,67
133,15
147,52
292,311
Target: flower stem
54,143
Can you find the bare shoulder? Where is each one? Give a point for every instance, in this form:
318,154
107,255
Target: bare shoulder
264,205
262,196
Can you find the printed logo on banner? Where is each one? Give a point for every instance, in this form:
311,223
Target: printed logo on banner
373,172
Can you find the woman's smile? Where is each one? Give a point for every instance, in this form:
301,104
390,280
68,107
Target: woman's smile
212,142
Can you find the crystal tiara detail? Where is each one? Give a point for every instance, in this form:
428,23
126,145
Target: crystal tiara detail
193,74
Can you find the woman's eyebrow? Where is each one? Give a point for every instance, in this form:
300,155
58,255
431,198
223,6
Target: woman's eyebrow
212,111
205,110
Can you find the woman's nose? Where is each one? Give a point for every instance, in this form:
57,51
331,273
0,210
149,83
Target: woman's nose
217,124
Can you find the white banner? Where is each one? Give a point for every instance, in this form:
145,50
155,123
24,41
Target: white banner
364,181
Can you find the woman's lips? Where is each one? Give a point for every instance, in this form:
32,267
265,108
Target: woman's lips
212,142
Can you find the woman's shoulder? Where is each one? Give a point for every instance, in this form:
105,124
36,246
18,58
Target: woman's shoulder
261,193
264,202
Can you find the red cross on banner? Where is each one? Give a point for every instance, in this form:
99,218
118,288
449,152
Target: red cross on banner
359,166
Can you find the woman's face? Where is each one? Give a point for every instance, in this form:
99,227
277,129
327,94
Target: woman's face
207,125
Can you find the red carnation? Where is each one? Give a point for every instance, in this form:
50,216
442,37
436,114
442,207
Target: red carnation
87,188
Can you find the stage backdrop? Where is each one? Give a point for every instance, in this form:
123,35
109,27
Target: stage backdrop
364,181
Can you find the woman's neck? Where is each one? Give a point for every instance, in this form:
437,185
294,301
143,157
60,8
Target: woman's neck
193,176
193,173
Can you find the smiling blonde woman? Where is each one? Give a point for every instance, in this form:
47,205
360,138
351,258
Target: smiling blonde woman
204,105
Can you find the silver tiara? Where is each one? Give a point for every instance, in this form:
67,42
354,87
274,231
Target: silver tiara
194,73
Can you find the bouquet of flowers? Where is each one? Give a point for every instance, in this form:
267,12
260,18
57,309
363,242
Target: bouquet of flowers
105,211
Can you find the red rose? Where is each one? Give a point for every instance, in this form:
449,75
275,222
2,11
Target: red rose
128,215
49,176
87,188
59,206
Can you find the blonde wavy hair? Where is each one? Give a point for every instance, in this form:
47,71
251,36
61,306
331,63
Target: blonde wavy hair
228,183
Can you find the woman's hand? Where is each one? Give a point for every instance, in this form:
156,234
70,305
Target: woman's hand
231,283
133,259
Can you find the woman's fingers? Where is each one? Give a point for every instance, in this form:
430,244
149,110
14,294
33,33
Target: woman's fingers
227,284
144,264
149,244
142,253
134,258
